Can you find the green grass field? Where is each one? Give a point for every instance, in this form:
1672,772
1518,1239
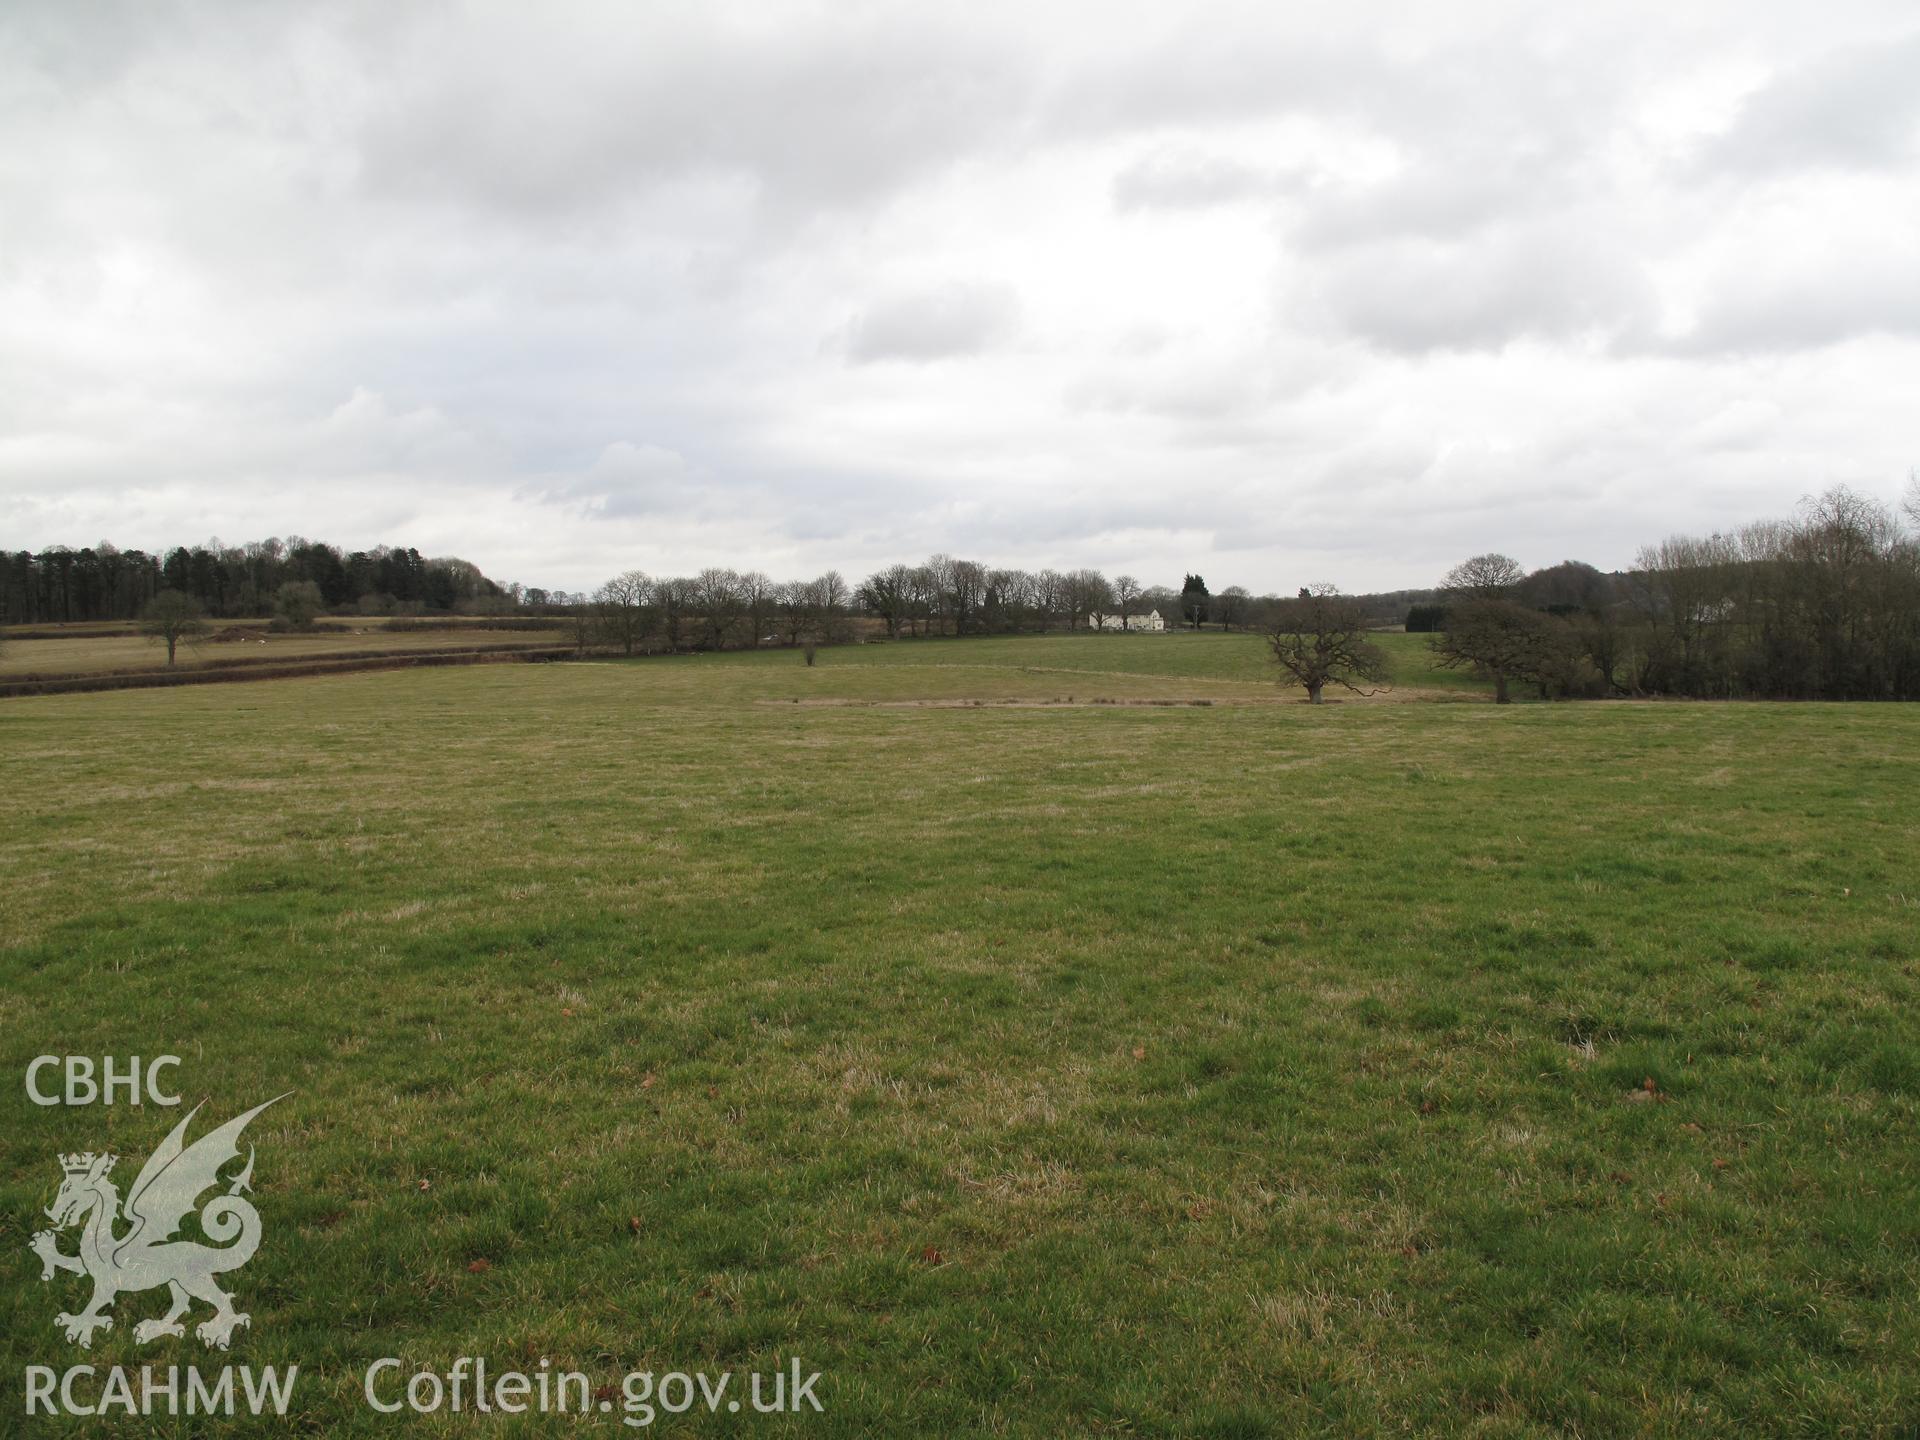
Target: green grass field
1027,1069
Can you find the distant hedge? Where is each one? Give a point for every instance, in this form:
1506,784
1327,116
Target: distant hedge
270,669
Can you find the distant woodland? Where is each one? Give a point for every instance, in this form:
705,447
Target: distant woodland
1822,605
102,582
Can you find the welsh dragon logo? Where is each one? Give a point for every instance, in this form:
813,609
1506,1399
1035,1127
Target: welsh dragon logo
146,1255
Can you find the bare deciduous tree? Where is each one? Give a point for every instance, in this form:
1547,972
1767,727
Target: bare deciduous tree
966,588
831,595
1320,639
936,577
758,598
1500,640
1049,597
1088,597
922,587
673,599
796,605
1126,599
1484,577
717,594
1680,588
1007,600
887,593
172,617
620,609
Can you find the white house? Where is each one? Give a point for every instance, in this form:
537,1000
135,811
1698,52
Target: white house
1149,621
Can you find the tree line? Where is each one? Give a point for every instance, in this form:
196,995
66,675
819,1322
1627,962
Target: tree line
1822,606
59,585
721,608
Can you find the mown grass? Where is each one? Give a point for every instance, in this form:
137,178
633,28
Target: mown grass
1074,1069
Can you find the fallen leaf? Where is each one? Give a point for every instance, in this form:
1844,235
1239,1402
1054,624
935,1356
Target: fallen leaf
479,1267
1719,1164
633,1223
1427,1107
565,1011
1139,1052
646,1081
426,1184
1650,1086
932,1256
1691,1128
1620,1177
713,1092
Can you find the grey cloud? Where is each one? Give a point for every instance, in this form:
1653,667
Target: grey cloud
1857,107
958,319
1439,197
561,112
625,479
1551,281
1826,305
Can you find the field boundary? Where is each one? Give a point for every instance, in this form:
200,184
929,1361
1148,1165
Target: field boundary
1075,702
271,669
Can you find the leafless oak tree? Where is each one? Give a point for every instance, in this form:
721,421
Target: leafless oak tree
1484,577
1500,640
1320,639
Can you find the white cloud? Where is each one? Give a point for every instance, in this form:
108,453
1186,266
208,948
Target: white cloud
1188,181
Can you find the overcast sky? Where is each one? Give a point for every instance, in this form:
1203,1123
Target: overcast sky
1276,292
